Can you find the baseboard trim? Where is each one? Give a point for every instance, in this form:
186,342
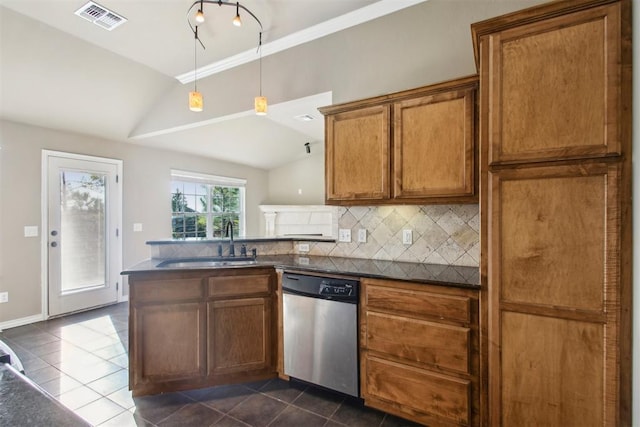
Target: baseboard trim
21,322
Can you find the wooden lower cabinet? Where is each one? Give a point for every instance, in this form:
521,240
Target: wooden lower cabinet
195,329
240,337
170,349
419,349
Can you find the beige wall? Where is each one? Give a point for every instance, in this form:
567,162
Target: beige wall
298,183
145,200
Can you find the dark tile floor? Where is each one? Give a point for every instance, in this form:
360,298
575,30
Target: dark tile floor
82,360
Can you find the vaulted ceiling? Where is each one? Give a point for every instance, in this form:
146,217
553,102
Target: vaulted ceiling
130,84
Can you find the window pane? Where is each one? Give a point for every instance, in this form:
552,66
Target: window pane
191,203
201,203
202,190
201,226
190,188
82,230
177,186
217,226
177,226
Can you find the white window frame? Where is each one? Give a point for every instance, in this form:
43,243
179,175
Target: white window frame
220,181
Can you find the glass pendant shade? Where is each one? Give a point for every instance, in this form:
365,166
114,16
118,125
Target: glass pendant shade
237,21
195,101
261,105
199,16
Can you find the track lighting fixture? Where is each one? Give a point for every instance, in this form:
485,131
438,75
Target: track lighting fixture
307,147
195,98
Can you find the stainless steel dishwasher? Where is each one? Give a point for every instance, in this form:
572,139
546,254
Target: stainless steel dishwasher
320,322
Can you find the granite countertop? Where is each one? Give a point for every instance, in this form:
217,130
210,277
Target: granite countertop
26,404
379,269
245,239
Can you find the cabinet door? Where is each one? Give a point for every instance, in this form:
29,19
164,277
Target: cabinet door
434,146
554,88
554,287
357,155
240,336
154,365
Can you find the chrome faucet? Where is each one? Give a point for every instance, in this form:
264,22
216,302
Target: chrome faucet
232,251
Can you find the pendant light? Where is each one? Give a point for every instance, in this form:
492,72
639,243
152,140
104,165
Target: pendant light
196,102
237,21
260,102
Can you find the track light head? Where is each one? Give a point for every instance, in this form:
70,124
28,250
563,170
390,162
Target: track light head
237,21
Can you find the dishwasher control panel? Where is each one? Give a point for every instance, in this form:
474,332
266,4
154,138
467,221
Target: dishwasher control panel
328,289
331,288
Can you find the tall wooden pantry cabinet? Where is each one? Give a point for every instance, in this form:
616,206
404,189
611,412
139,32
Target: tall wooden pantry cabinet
555,166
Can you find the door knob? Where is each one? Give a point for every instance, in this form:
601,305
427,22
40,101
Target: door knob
54,244
54,233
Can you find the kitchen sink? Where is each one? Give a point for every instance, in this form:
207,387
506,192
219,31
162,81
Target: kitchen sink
206,262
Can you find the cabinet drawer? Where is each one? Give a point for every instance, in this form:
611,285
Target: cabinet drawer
420,341
239,285
449,307
419,391
166,290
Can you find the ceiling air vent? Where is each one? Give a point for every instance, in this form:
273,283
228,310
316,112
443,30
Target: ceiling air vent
100,16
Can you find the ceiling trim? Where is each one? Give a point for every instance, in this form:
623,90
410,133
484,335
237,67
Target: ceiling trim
359,16
214,120
193,125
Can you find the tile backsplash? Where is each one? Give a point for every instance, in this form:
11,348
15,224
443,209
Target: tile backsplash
442,234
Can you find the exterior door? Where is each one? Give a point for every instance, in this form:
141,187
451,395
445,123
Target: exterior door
83,215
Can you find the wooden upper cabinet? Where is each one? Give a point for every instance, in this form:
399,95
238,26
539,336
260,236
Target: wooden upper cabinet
554,87
434,145
358,154
423,139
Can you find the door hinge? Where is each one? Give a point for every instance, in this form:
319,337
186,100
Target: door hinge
117,286
117,177
117,232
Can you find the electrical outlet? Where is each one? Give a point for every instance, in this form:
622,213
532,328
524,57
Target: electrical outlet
303,260
407,237
344,235
4,297
303,247
362,235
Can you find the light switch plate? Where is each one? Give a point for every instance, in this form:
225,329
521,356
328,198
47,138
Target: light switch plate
30,231
344,235
407,237
4,297
137,226
362,235
303,247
